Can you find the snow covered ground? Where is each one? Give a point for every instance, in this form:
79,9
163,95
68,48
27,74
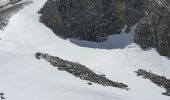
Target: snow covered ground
23,77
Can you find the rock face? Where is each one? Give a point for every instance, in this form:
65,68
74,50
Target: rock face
154,29
91,20
94,20
134,11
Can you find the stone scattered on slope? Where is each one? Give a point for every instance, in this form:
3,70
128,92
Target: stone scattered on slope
7,12
159,80
2,95
80,71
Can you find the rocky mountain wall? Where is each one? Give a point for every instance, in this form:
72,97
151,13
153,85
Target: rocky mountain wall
91,20
154,29
95,20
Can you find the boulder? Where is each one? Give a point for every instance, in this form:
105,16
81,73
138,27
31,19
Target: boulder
91,20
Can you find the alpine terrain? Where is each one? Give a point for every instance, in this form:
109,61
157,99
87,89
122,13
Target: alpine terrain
84,50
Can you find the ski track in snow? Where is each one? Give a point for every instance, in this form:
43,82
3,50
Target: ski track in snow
22,77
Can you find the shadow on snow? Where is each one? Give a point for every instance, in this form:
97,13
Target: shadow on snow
118,41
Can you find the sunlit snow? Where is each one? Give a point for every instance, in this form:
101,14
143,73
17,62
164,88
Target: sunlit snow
23,77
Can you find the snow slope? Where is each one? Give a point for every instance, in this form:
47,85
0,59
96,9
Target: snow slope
22,77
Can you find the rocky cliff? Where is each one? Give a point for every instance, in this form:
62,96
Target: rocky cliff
154,29
94,20
91,20
134,11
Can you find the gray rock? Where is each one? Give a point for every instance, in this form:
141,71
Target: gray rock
134,10
79,71
91,20
7,12
158,80
89,83
153,30
95,20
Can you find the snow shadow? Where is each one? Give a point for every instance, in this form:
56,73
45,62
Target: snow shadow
118,41
146,49
168,58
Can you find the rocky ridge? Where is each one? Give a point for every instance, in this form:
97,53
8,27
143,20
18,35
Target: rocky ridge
7,12
153,30
91,20
95,20
79,71
158,80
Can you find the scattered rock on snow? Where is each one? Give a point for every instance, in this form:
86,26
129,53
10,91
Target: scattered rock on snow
2,95
92,20
89,83
7,12
159,80
80,71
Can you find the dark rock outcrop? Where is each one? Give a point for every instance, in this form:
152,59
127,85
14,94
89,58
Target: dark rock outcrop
14,1
2,95
8,2
7,12
91,20
154,29
158,80
134,11
94,20
80,71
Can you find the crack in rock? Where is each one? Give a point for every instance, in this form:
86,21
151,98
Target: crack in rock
161,81
79,71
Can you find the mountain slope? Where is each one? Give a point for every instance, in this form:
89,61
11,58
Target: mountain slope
24,78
